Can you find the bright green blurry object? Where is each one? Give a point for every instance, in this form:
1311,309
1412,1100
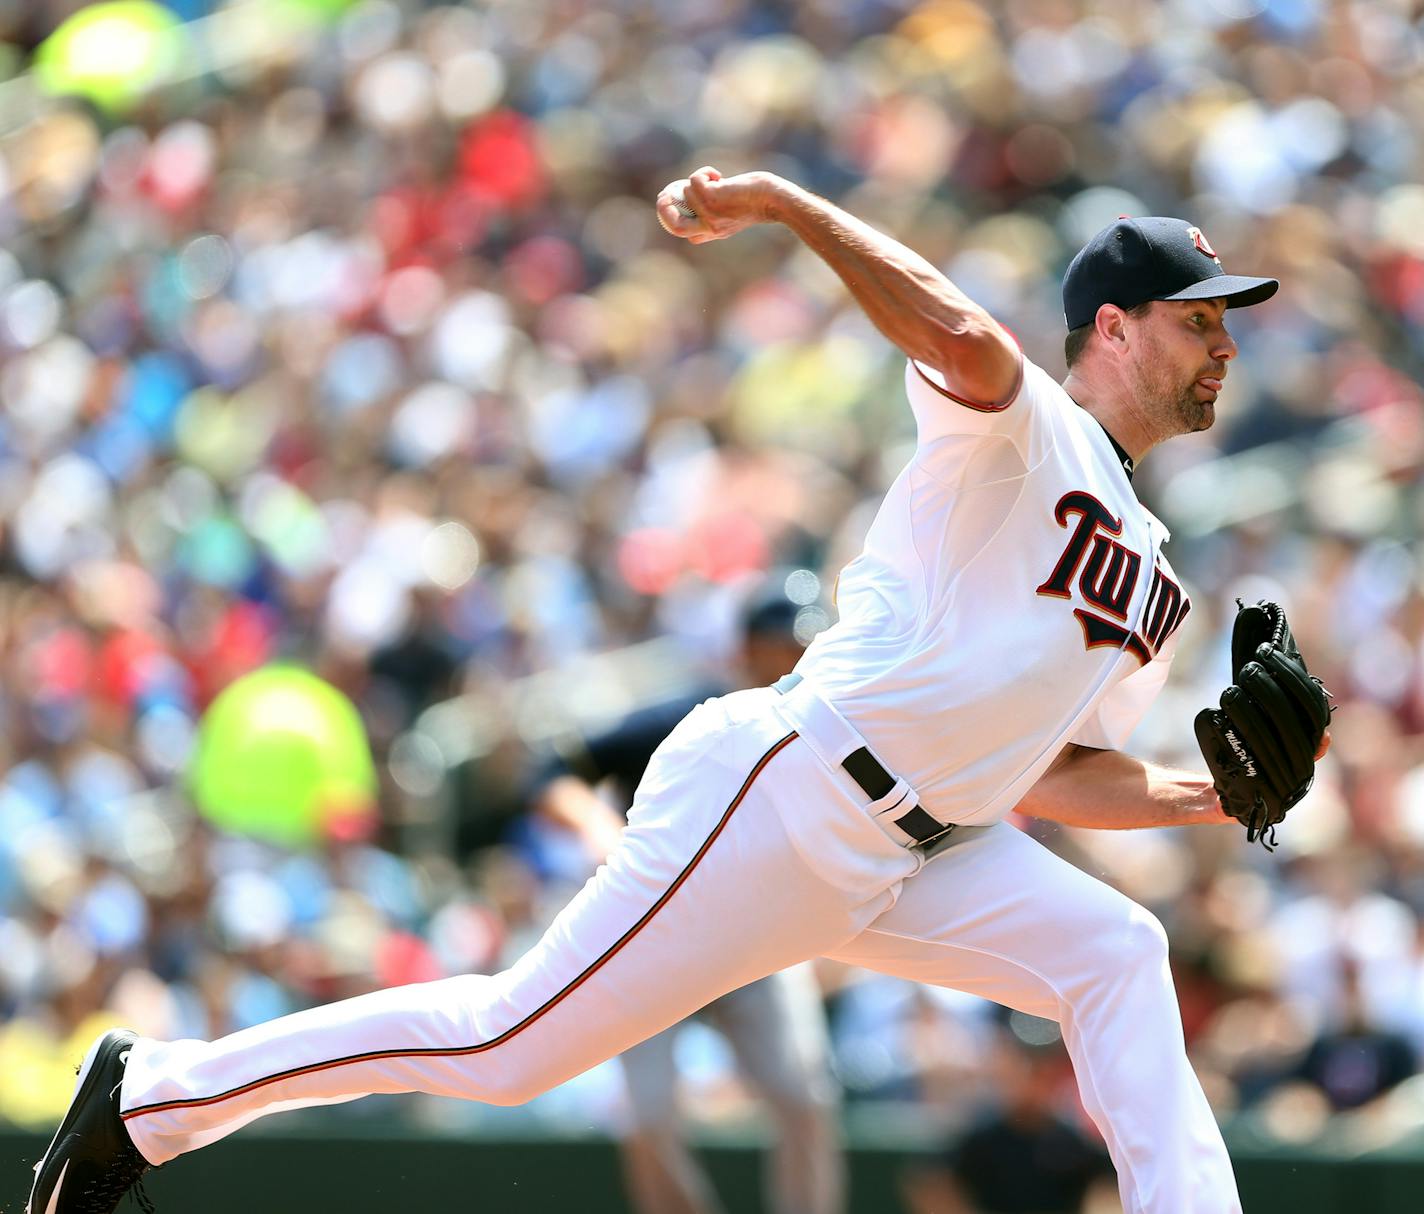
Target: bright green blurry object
327,9
282,756
111,53
286,17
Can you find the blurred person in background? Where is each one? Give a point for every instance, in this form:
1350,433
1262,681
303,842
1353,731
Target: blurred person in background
1022,1155
775,1026
1355,1060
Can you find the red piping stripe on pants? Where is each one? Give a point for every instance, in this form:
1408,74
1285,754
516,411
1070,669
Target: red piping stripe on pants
533,1016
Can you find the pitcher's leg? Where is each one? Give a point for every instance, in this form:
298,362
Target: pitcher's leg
1002,917
704,895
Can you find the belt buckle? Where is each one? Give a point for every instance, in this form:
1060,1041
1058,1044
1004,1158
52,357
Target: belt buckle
922,827
933,846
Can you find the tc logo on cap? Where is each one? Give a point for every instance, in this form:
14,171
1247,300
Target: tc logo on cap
1201,243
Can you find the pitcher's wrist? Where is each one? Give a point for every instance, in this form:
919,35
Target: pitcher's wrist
775,195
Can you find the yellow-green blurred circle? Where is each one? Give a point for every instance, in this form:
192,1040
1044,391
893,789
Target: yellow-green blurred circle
111,53
282,755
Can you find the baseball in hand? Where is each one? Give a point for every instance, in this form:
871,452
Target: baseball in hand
681,205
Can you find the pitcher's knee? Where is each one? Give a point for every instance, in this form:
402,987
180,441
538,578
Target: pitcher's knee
1143,943
517,1078
513,1084
505,1072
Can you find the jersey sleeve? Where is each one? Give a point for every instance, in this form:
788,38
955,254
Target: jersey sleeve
1032,417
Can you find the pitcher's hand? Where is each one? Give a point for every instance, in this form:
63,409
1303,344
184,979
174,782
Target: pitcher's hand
720,206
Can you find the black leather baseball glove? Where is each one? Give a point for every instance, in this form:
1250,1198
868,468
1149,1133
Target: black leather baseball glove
1261,743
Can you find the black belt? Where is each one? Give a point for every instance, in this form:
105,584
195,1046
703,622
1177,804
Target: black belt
866,770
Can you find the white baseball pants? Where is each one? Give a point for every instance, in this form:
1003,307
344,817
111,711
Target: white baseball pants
745,853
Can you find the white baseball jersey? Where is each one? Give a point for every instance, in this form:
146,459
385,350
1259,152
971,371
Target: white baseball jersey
1012,598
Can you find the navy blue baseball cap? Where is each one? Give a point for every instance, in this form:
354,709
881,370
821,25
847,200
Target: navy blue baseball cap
1154,257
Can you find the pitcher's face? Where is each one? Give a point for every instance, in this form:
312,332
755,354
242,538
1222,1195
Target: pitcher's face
1180,352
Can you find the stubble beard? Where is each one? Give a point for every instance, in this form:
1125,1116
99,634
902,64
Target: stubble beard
1175,407
1194,414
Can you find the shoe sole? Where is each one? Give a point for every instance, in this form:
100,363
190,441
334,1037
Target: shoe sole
81,1091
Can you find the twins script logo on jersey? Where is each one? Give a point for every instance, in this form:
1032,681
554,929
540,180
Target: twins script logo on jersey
1107,572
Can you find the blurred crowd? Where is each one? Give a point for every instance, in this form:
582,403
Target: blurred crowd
364,349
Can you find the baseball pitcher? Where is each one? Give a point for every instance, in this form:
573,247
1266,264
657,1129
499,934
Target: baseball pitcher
1010,618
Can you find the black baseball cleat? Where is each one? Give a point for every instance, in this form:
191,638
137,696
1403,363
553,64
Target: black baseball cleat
91,1162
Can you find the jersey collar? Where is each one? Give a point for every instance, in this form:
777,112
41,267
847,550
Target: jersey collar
1123,457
